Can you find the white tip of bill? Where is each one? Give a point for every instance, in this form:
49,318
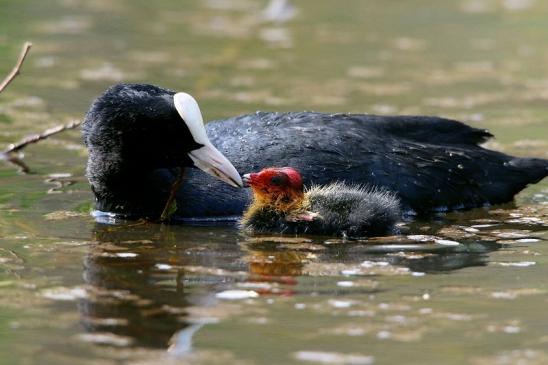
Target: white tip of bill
206,158
210,160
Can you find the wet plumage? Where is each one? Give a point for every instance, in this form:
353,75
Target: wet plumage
335,209
430,163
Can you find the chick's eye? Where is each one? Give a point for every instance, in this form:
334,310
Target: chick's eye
277,180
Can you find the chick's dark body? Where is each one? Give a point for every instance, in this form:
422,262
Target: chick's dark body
337,209
431,163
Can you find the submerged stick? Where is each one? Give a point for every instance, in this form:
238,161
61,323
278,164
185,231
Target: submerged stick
17,68
33,138
168,208
14,160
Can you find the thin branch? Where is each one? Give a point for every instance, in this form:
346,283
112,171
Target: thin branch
15,147
17,69
168,209
16,161
8,154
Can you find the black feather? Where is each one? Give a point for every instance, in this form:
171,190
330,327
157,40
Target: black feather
134,136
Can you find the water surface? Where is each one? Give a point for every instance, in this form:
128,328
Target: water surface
461,288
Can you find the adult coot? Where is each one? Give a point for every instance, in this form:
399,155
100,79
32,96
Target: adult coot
137,134
281,205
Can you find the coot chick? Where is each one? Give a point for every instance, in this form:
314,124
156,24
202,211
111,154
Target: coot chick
281,205
135,136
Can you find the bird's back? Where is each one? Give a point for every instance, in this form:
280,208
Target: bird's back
354,211
431,163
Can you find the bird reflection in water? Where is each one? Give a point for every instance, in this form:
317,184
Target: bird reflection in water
156,285
138,283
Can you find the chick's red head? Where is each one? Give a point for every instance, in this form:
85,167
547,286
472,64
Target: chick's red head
281,187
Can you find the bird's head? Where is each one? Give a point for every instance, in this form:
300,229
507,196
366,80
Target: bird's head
144,127
280,188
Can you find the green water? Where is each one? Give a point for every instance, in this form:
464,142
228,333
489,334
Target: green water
73,291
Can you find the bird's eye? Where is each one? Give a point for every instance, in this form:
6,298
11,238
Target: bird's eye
278,180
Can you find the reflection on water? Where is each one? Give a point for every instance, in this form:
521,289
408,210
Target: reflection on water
127,281
151,288
145,292
466,287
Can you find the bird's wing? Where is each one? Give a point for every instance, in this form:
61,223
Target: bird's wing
425,129
430,162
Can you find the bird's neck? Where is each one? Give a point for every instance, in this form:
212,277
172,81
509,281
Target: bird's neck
128,189
280,206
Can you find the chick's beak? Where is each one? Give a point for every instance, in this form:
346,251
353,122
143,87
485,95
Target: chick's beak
211,161
247,180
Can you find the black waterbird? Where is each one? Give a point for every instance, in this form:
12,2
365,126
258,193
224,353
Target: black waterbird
138,134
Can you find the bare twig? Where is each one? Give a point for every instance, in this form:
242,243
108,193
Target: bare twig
33,138
16,161
166,213
8,154
17,69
